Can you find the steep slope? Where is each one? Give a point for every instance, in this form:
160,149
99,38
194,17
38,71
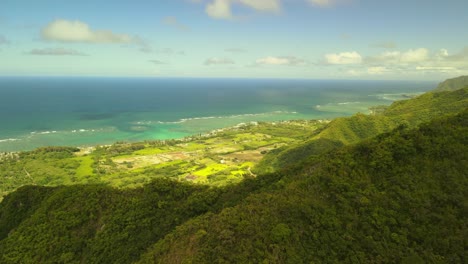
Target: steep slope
400,198
406,112
99,224
94,223
452,84
350,130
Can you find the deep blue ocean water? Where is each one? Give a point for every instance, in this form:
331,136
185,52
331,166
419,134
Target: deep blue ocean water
40,111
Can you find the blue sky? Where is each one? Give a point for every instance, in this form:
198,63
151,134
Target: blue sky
316,39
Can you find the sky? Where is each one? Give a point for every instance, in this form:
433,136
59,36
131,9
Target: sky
312,39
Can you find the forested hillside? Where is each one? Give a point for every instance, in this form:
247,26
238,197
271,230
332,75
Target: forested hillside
350,130
397,198
452,84
347,194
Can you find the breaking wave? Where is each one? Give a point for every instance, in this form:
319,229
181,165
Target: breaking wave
184,120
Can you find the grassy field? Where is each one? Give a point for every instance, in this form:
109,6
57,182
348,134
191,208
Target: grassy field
222,157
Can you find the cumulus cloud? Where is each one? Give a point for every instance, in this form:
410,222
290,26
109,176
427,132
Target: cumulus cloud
55,52
173,22
222,9
343,58
219,9
393,63
218,61
418,61
444,69
442,53
397,57
77,31
416,55
284,60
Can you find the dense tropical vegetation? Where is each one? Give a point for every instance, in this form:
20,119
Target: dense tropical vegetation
385,188
344,131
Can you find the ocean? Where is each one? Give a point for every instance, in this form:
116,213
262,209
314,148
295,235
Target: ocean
72,111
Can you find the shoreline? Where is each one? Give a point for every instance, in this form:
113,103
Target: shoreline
141,129
86,149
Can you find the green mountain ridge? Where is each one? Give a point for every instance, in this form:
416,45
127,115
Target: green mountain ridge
452,84
385,188
398,198
395,198
351,130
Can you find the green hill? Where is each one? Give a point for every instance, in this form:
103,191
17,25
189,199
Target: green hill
452,84
400,197
350,130
384,188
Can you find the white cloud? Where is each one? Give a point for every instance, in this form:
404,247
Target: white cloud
219,9
442,53
55,52
343,58
438,63
396,57
222,9
436,68
418,61
289,61
218,61
77,31
417,55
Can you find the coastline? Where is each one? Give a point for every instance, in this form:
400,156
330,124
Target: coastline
87,149
173,109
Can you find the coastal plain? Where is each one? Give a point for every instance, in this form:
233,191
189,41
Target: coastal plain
220,157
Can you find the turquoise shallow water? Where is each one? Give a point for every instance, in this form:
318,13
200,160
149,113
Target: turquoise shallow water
38,111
